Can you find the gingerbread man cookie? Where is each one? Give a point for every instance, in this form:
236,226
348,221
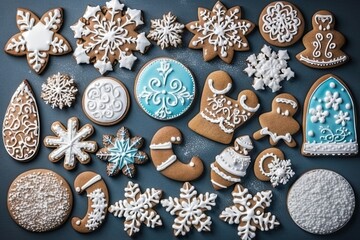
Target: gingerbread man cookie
323,43
279,124
220,115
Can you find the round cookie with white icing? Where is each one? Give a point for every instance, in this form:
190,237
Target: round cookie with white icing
39,200
321,201
106,101
164,88
281,23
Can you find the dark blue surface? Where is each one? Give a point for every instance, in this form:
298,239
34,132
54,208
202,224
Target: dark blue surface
14,69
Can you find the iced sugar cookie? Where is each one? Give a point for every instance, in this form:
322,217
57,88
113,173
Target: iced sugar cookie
164,88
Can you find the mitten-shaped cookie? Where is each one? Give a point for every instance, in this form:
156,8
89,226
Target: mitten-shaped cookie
220,115
279,124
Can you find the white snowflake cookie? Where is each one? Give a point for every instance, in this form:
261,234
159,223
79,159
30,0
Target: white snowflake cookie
106,35
69,143
189,210
269,68
270,165
166,31
137,208
59,91
249,212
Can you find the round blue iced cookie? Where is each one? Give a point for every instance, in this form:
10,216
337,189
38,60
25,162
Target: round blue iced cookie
164,88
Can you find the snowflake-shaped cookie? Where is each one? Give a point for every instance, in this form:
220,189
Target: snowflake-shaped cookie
166,31
121,153
107,35
137,208
269,68
59,91
189,209
249,212
38,38
70,144
220,32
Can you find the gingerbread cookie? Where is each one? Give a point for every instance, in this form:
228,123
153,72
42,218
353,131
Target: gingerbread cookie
269,68
69,143
106,35
164,88
138,208
98,200
38,38
329,119
279,124
166,31
220,115
321,201
323,43
190,210
270,165
39,200
106,101
121,153
249,212
220,32
165,160
59,91
281,23
231,163
21,125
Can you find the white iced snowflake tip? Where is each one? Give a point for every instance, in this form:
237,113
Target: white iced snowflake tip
166,31
189,209
137,208
280,171
99,208
59,91
332,100
249,212
269,68
342,118
318,114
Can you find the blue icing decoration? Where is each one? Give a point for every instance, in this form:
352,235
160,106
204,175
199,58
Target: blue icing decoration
165,88
330,123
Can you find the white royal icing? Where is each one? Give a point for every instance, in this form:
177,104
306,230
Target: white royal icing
265,131
223,175
233,162
167,163
98,209
89,183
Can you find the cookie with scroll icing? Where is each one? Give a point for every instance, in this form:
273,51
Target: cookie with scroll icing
106,101
281,23
164,88
21,125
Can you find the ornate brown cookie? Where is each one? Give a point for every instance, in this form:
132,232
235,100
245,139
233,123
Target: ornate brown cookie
220,115
165,160
323,43
220,32
106,35
38,38
39,200
21,125
279,124
98,201
281,23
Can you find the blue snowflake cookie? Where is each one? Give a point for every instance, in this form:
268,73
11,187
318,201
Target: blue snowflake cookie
164,88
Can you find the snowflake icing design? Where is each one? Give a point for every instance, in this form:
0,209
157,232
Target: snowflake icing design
121,153
342,118
99,208
318,114
269,68
166,94
38,38
249,212
137,208
59,91
189,209
166,31
220,32
332,100
108,35
69,143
